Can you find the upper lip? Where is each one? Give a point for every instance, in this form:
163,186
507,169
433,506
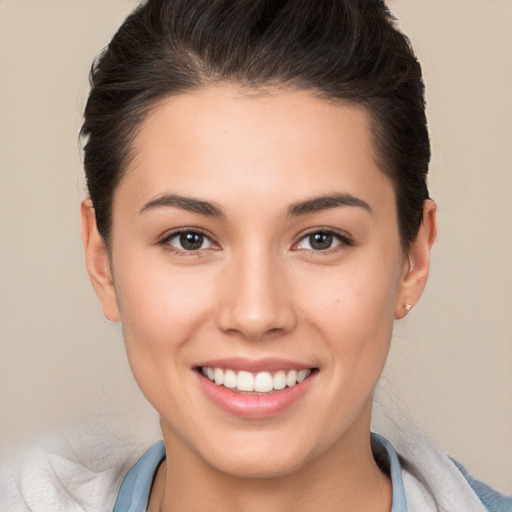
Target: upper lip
254,365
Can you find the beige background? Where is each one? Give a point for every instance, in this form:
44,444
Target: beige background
452,358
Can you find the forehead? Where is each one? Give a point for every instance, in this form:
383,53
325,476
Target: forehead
225,145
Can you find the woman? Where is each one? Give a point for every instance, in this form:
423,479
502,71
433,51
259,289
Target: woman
257,315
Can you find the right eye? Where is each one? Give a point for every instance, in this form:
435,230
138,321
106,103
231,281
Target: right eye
189,241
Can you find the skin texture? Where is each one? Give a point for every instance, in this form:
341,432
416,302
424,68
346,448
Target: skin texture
257,289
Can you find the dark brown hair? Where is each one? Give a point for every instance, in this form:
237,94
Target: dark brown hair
342,50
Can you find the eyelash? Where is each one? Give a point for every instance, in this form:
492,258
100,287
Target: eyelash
165,242
343,241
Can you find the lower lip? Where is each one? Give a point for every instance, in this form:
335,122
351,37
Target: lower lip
254,406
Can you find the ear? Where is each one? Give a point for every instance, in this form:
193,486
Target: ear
416,268
97,262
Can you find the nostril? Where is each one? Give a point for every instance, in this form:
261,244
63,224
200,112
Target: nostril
256,322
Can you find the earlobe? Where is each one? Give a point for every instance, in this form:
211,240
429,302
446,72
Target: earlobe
97,262
417,267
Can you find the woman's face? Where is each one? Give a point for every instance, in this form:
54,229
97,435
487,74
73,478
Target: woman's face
255,235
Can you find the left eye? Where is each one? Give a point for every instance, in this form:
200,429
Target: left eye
189,241
319,241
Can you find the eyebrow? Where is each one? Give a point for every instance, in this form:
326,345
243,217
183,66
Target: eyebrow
209,209
190,204
317,204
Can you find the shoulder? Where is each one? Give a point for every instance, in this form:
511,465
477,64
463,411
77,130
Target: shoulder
134,493
71,470
430,476
493,500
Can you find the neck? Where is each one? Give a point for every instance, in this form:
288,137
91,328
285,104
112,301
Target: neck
344,478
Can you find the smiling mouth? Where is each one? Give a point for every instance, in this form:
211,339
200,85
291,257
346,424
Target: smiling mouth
255,383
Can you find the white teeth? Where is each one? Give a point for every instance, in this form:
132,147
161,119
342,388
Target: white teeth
245,381
291,378
230,379
280,380
262,382
219,376
302,375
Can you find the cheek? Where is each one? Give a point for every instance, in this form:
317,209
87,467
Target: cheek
161,305
353,305
162,308
354,291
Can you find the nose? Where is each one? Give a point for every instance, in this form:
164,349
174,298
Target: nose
255,301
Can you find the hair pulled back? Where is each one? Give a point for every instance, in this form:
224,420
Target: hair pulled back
342,50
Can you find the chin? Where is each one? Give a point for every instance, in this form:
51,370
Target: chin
260,456
262,465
